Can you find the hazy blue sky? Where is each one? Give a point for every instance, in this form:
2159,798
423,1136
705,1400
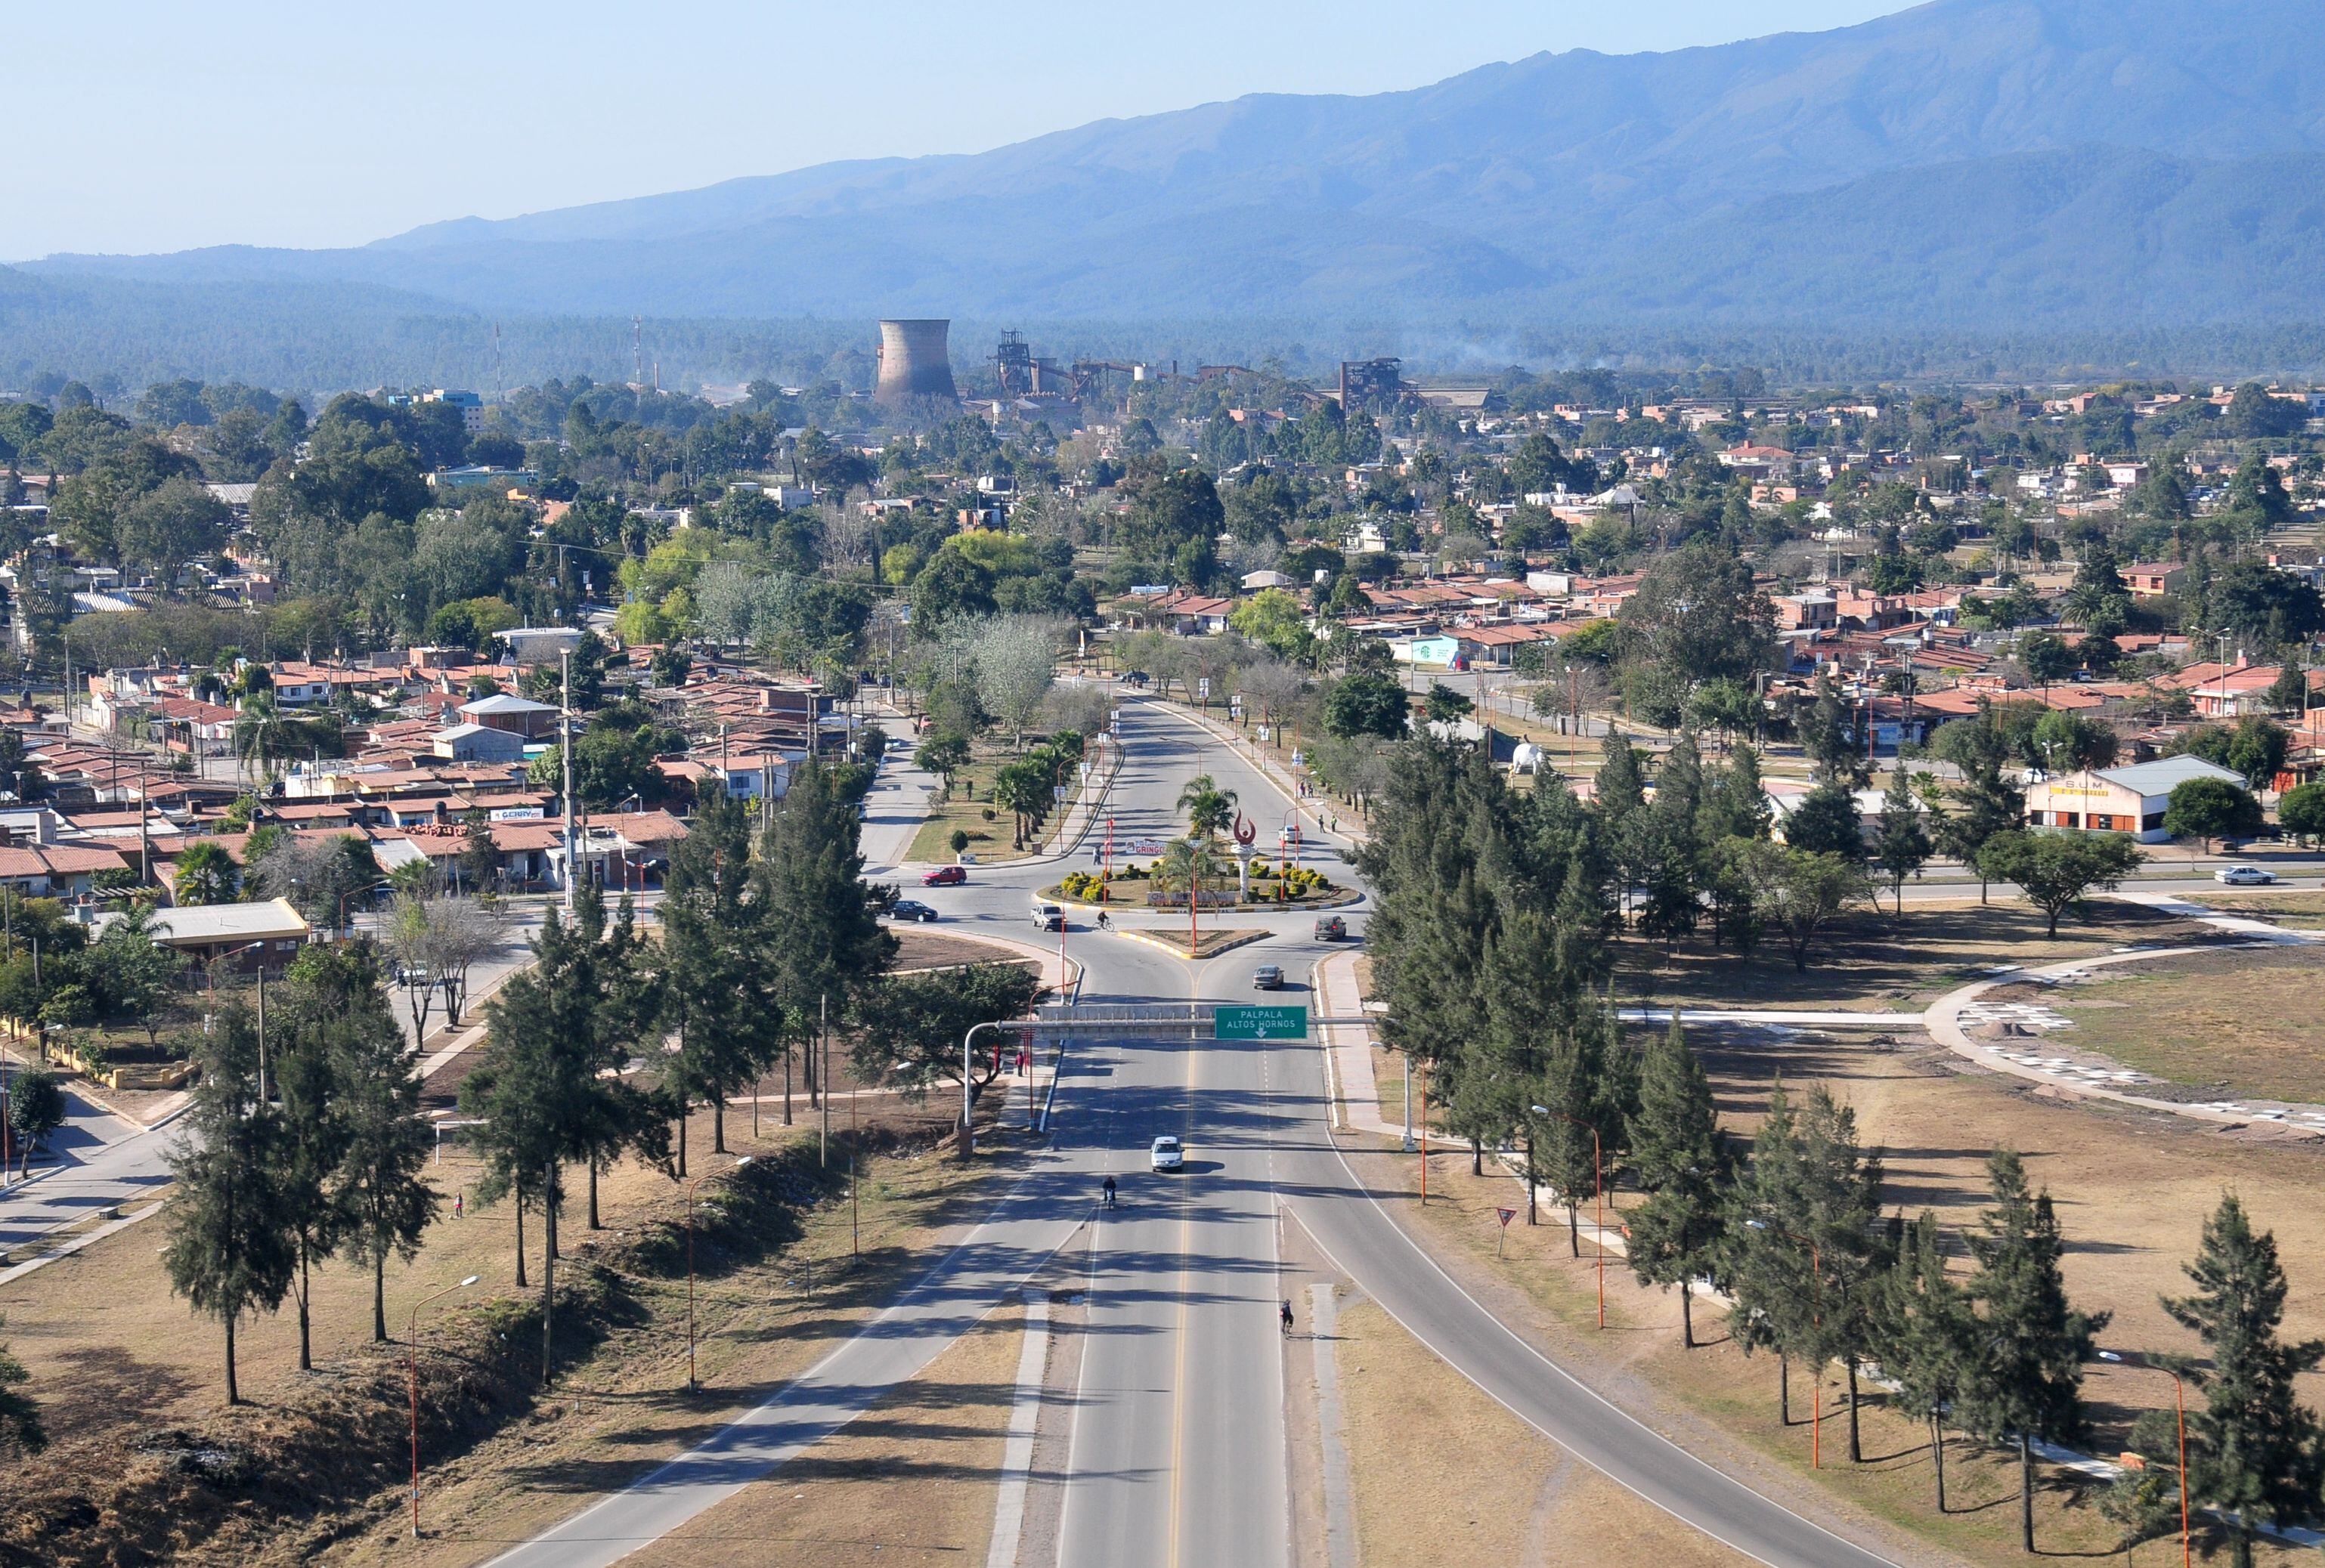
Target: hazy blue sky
156,124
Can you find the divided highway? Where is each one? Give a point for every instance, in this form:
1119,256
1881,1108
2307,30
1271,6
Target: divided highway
1177,1455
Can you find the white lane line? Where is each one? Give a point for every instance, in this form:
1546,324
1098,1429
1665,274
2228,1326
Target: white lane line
1564,1377
1017,1452
1066,1488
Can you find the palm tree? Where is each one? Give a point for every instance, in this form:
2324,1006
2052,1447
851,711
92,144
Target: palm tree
262,735
207,875
1210,810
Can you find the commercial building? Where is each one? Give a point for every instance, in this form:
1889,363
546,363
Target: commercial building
2129,799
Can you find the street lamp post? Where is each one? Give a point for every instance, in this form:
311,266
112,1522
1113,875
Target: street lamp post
413,1338
1816,1275
692,1384
221,958
967,1079
2180,1402
1598,1202
368,888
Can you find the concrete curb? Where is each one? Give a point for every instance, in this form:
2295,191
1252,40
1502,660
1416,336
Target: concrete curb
1180,954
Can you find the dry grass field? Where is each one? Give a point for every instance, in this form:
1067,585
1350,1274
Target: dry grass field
2133,1190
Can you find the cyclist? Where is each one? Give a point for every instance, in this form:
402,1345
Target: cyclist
1109,1192
1105,922
1284,1314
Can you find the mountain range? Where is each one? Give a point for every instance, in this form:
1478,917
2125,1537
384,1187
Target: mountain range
1971,164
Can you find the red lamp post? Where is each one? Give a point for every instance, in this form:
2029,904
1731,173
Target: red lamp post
2180,1402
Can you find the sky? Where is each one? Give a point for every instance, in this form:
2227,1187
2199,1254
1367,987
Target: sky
144,126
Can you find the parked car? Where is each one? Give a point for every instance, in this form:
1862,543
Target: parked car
944,877
913,910
1331,928
1167,1154
1047,917
1267,977
2244,876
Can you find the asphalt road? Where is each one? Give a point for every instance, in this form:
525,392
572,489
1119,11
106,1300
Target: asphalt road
1177,1455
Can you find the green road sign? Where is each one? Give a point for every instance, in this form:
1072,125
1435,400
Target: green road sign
1260,1023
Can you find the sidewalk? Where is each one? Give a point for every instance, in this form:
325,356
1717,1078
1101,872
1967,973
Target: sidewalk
1354,1086
1352,829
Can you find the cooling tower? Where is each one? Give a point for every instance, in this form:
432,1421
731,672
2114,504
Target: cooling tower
914,361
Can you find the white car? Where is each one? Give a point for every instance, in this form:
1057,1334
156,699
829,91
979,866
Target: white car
1167,1154
2244,876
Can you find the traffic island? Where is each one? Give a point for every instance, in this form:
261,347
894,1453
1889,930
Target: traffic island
1081,889
1209,946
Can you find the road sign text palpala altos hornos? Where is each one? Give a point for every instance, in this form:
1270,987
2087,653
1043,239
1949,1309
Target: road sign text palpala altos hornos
1260,1023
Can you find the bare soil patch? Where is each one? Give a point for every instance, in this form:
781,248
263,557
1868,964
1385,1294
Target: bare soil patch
936,1440
1444,1474
1886,962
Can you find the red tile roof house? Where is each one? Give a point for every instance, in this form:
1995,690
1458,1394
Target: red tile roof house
628,852
56,870
2226,691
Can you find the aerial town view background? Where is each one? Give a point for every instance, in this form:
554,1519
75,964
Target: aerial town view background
1571,815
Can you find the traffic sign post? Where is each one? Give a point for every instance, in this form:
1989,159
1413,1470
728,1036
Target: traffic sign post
1259,1023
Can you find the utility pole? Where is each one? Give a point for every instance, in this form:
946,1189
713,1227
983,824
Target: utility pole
565,740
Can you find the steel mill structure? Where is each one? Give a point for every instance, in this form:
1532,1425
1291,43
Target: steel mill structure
914,361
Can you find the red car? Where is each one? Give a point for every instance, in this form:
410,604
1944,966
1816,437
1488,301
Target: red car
944,877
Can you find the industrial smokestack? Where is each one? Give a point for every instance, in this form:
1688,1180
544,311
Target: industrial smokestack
914,361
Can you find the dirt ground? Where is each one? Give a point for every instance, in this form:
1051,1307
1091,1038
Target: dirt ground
2246,1021
1883,962
922,946
2133,1190
114,1355
937,1441
1443,1473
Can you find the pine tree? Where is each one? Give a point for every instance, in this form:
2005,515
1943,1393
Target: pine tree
2255,1451
20,1426
825,942
1901,844
1569,1144
1767,1261
539,1090
1667,857
2023,1385
380,1187
1922,1334
1682,1163
719,990
1839,1197
1983,804
229,1251
313,1140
